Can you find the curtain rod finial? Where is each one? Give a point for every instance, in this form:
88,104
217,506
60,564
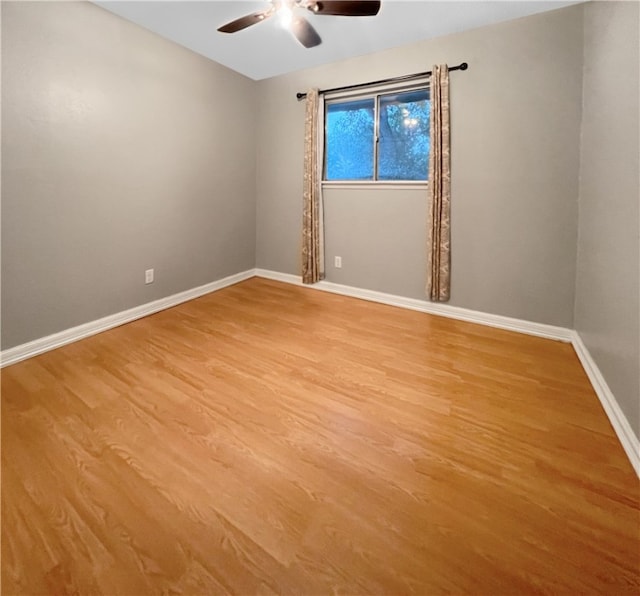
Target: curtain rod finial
464,66
300,96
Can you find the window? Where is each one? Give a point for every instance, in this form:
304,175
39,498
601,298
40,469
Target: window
380,137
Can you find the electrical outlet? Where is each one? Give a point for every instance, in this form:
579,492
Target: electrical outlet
148,276
337,262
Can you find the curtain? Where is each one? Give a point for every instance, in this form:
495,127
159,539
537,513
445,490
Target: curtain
439,212
312,210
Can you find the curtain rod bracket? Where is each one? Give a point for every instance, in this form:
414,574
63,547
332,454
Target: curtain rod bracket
461,66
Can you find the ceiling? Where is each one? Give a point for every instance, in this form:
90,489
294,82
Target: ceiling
266,49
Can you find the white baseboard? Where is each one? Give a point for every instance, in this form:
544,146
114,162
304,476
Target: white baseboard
630,443
443,310
56,340
628,439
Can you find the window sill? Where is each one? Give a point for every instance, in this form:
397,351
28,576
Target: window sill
369,185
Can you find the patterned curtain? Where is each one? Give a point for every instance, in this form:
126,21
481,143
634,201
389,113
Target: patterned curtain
439,235
312,211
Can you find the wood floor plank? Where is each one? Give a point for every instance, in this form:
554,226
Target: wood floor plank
270,439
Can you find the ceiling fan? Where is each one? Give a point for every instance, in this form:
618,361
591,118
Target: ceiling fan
300,26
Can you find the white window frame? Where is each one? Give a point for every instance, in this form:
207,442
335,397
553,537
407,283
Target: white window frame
374,93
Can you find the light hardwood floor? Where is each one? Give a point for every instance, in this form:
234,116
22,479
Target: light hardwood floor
275,439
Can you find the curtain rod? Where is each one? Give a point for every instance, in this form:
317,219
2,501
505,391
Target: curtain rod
417,75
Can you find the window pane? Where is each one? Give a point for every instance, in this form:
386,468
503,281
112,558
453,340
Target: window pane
403,147
349,140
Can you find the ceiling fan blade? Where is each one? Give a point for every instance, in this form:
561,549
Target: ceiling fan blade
246,21
305,33
347,8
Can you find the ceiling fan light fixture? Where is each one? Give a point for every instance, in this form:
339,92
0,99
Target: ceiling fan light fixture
285,14
301,28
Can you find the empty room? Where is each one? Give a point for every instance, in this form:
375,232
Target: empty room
311,297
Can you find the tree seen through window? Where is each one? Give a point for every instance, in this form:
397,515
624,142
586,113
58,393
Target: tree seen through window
403,137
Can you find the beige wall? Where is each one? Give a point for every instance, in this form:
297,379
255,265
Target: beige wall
121,151
607,308
515,159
